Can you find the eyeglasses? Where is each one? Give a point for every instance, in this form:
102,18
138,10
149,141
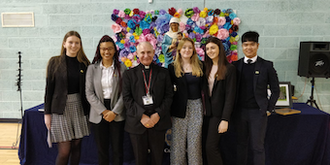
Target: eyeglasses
105,49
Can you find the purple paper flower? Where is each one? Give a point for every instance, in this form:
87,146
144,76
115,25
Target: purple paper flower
160,38
136,18
198,37
123,53
127,17
196,10
234,34
192,35
127,44
114,17
142,14
115,11
145,31
162,12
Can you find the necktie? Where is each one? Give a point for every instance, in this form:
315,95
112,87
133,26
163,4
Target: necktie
249,61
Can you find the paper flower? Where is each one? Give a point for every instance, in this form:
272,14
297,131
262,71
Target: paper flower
217,11
195,17
213,29
115,11
203,14
180,11
127,11
171,11
236,21
221,21
136,11
196,10
121,14
233,47
161,58
162,12
144,25
128,63
131,24
116,28
188,13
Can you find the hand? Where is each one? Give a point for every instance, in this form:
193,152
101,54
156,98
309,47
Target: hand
48,120
155,118
146,121
109,116
223,126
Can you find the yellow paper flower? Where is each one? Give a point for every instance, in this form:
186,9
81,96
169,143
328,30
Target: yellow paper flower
128,63
177,15
206,9
232,39
131,14
122,41
213,29
128,29
203,14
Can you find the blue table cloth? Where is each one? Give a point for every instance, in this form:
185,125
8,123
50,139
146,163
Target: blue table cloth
300,139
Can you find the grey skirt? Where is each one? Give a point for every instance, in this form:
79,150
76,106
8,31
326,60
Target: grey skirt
72,124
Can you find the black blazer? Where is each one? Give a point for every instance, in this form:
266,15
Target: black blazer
161,91
264,75
57,86
221,103
180,98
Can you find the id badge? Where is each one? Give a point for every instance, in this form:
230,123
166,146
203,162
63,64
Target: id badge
147,100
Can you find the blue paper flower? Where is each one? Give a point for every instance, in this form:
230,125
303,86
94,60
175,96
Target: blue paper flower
198,30
144,25
120,45
232,15
131,24
227,25
132,49
190,22
132,39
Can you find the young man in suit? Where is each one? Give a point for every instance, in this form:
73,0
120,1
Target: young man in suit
147,93
254,76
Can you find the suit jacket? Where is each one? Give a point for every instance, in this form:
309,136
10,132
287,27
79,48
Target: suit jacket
264,75
161,91
180,98
94,93
57,86
221,103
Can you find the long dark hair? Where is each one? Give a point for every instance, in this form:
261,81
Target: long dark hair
222,60
98,57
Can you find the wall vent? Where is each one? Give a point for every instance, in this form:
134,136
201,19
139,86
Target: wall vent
21,19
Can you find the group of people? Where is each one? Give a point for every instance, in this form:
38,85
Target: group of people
196,99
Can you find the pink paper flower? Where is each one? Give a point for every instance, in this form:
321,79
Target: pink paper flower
116,28
180,11
221,21
130,56
223,34
200,22
182,26
236,21
121,14
195,17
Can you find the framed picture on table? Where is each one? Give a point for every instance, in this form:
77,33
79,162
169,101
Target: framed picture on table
285,98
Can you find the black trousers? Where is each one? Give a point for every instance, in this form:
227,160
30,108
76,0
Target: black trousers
107,133
212,146
150,139
251,125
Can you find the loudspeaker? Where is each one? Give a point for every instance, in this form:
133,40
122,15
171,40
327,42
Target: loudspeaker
314,59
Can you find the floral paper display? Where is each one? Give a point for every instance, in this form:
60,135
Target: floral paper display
134,26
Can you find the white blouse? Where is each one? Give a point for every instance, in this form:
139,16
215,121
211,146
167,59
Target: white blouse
106,80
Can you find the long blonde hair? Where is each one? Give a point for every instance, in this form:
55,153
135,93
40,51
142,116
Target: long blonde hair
196,63
81,56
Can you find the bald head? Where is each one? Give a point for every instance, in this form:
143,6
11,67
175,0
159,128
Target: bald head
145,52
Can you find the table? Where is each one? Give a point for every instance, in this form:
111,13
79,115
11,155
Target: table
33,148
301,139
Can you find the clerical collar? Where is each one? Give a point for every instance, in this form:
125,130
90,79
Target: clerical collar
254,59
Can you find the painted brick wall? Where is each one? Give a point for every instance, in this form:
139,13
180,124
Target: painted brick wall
282,24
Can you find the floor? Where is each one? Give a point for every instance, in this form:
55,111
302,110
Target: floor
8,149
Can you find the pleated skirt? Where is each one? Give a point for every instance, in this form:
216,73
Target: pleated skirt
72,124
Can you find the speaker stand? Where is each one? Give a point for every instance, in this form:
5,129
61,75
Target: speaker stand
311,98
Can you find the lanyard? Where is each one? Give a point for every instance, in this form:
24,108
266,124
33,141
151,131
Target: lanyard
145,81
